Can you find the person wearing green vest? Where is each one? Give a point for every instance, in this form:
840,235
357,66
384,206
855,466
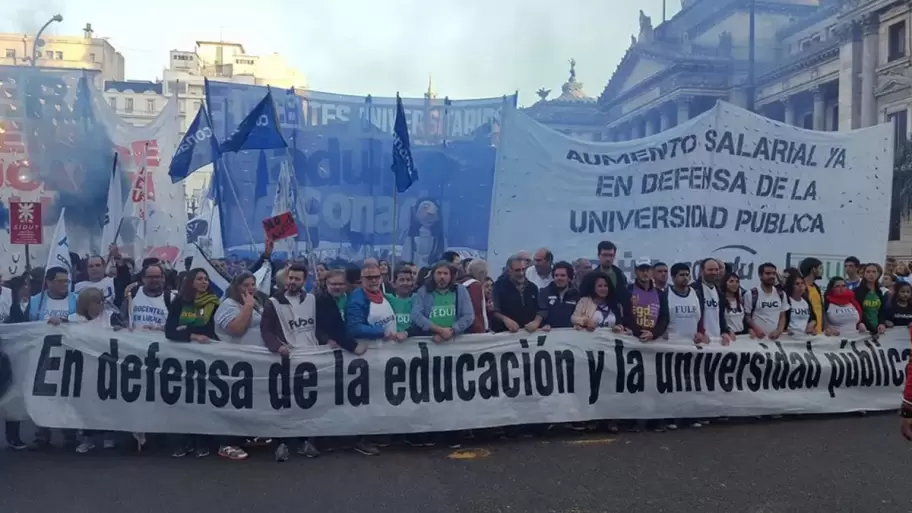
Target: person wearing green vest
442,308
401,298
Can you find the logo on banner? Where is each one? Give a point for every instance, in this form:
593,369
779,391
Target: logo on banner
25,227
740,257
262,120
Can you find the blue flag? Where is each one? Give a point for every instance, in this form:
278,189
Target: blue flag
258,131
262,177
198,148
403,163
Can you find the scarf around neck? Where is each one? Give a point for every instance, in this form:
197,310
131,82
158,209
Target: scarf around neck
844,298
203,306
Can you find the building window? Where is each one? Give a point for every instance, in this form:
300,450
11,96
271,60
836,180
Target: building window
808,121
896,42
150,105
900,122
182,107
49,54
58,56
175,84
92,57
10,53
113,101
129,106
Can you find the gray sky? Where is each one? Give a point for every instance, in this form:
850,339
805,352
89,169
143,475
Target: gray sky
473,48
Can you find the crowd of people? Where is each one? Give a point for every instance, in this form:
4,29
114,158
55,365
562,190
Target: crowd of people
348,306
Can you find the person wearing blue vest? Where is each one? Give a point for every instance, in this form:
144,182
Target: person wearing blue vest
55,303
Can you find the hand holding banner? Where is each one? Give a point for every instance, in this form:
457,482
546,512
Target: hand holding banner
103,380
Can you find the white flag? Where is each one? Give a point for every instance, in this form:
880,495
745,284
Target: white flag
285,200
59,255
264,278
115,212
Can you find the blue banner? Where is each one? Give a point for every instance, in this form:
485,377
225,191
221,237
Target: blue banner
342,169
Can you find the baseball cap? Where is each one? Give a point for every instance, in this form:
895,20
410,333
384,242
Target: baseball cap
643,262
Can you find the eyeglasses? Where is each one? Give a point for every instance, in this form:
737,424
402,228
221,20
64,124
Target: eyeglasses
375,277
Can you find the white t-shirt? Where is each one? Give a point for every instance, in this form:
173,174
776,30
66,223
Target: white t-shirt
59,308
842,318
149,311
684,314
711,311
6,303
799,315
105,285
535,279
734,316
382,314
769,306
228,312
604,317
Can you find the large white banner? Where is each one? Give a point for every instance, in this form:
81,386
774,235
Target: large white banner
728,184
155,222
74,377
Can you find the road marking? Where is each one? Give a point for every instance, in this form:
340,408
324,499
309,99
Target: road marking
469,454
591,441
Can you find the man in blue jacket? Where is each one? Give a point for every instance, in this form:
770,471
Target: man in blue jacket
368,314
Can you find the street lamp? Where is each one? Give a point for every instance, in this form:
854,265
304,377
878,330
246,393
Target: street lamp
58,18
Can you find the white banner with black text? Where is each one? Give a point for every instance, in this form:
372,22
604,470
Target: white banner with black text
728,184
73,377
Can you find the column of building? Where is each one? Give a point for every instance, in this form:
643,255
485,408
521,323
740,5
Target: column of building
870,40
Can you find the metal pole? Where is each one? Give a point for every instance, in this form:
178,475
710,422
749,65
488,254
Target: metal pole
752,57
57,18
664,10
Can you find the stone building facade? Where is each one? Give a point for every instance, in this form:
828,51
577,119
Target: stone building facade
819,64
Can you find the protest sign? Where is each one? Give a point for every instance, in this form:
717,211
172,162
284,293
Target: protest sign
729,184
280,227
73,377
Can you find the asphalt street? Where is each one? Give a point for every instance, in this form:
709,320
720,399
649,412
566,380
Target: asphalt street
832,464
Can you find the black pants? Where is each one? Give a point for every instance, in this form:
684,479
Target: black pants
12,431
44,435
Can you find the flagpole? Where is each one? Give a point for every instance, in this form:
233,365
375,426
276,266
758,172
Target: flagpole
237,200
145,203
369,100
299,204
395,234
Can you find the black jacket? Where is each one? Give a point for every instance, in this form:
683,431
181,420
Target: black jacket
183,335
521,308
556,309
697,286
860,292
